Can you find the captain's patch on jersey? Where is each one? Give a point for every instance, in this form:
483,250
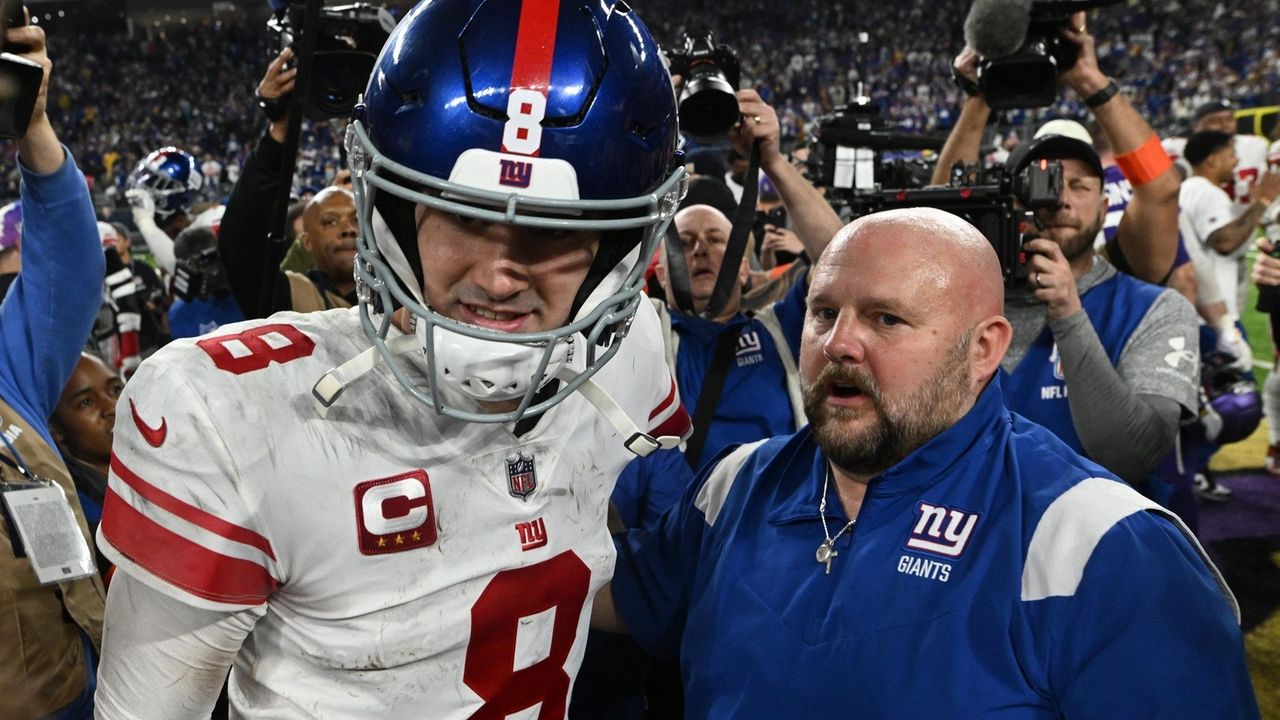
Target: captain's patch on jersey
395,514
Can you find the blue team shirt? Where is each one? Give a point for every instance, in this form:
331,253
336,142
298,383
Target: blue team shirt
1037,387
192,318
992,573
754,403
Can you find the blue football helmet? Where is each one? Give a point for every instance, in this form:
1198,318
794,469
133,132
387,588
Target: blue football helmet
538,113
171,176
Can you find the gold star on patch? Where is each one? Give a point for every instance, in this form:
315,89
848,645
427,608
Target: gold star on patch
416,536
399,539
382,542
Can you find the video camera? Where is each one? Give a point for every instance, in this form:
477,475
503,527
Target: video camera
20,78
347,46
1028,77
199,276
852,157
853,151
711,72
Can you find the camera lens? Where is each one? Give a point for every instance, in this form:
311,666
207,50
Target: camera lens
338,80
708,106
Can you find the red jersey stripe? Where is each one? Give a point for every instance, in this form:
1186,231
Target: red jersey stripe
181,562
188,512
678,425
666,402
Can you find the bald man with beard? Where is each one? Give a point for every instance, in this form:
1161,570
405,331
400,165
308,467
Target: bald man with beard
919,550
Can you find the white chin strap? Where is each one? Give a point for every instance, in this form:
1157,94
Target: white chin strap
334,382
489,371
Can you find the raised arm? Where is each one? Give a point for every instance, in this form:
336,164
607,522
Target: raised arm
50,308
1148,231
814,220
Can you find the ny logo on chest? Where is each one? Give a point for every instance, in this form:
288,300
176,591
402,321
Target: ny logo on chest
942,530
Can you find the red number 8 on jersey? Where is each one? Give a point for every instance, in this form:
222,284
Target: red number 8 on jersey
257,347
559,584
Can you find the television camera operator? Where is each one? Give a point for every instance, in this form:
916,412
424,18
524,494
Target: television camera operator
1105,360
1148,232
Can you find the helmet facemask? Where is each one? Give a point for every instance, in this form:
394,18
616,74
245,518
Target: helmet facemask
469,365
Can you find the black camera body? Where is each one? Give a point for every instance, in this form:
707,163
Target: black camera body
852,157
1001,207
711,72
20,79
852,152
200,276
1029,77
347,46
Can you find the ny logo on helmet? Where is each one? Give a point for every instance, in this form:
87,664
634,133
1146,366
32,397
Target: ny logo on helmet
515,173
522,480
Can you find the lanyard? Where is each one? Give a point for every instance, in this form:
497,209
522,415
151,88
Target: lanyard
20,465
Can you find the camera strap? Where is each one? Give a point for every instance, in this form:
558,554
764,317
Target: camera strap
735,249
712,388
678,271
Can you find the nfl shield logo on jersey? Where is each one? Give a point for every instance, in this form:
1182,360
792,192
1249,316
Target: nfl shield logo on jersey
521,478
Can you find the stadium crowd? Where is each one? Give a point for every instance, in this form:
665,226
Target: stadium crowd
771,321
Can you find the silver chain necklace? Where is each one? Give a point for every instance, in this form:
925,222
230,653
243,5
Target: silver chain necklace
827,551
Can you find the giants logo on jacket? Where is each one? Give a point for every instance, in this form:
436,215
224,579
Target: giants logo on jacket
395,514
942,530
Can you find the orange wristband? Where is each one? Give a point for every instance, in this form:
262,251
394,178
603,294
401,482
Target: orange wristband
1145,164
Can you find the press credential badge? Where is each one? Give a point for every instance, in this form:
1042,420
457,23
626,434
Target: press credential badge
49,532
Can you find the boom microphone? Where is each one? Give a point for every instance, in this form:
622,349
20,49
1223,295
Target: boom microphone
996,28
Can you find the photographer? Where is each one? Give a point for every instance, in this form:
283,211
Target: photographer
753,353
1148,232
242,240
52,628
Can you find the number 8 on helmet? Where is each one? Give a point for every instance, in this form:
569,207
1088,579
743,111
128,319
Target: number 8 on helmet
557,116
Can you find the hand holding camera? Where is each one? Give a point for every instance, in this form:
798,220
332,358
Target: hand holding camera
274,90
1026,46
758,121
24,86
1050,276
1084,77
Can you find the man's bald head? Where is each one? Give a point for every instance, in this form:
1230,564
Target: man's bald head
329,196
704,232
952,252
904,330
329,232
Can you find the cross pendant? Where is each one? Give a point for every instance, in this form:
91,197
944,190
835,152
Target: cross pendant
825,554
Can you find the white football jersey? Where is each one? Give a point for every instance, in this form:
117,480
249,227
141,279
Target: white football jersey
1251,161
1204,208
411,565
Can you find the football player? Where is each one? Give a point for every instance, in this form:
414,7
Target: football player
399,510
1251,150
162,189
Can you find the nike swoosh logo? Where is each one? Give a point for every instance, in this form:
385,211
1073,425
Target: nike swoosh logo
153,435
